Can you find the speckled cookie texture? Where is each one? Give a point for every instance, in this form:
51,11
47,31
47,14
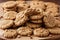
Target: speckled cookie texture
41,32
29,18
11,33
24,31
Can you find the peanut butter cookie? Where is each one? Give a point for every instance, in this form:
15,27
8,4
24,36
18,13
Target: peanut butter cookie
10,15
54,30
5,24
36,21
21,18
36,17
32,25
9,4
49,20
37,4
10,33
22,7
24,31
41,32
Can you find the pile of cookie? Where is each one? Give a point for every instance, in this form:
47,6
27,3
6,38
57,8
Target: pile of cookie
24,18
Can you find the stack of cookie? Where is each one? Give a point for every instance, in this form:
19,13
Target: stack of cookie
37,13
8,7
24,19
35,17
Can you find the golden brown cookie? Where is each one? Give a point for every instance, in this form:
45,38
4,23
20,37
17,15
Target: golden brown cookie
41,32
52,13
34,11
10,33
50,7
36,17
36,21
20,2
5,23
54,30
49,20
10,15
25,31
10,9
22,7
21,18
37,4
32,25
9,4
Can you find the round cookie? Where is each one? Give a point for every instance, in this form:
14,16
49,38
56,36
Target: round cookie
20,2
24,31
10,33
21,18
37,4
10,15
22,7
54,30
52,6
5,23
36,21
49,20
34,11
10,9
41,32
9,4
32,25
52,13
33,17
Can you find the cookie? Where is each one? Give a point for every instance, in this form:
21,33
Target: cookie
21,18
10,15
49,21
32,25
9,4
24,31
5,24
10,33
34,11
33,17
54,30
41,32
20,2
57,21
10,9
52,13
52,6
36,21
22,7
37,4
